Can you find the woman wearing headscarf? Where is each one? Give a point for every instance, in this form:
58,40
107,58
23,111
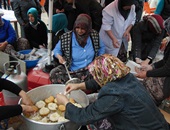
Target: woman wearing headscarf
7,35
59,26
77,48
122,102
157,75
21,8
118,19
147,37
35,30
162,8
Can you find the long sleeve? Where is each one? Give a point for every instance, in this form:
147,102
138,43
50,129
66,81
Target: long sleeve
159,7
102,48
137,40
156,45
10,86
7,33
11,34
104,106
17,12
92,85
57,49
9,111
163,71
162,68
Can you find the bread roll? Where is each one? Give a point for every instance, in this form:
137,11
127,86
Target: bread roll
52,106
44,111
40,104
49,99
61,108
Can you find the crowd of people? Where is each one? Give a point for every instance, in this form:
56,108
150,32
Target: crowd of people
92,41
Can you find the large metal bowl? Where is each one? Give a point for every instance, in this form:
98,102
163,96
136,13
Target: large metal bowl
45,91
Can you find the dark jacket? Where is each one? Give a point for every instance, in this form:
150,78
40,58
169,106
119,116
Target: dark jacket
166,10
162,69
37,36
145,43
126,104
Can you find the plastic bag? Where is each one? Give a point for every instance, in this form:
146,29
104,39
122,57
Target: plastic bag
44,60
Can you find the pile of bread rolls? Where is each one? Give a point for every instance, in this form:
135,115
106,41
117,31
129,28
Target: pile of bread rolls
48,111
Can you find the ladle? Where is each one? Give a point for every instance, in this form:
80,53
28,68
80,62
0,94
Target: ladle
71,80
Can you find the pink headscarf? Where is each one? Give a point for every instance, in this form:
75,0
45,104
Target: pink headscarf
106,68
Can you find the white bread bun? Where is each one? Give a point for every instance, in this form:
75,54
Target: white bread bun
44,111
40,104
52,106
54,117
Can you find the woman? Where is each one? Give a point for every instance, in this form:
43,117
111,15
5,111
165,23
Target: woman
21,8
91,7
77,48
35,30
147,37
59,26
8,35
163,8
8,39
156,76
14,110
118,19
122,102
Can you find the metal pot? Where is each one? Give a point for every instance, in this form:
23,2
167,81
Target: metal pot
45,91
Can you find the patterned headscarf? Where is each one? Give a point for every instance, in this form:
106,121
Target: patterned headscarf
155,23
167,25
106,68
83,21
34,12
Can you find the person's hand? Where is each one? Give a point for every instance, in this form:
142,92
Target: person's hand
41,46
3,45
62,99
28,109
138,60
25,99
115,42
146,67
61,59
140,73
145,62
127,35
70,87
59,11
163,44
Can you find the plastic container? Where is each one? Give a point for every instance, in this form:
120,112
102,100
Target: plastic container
29,63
